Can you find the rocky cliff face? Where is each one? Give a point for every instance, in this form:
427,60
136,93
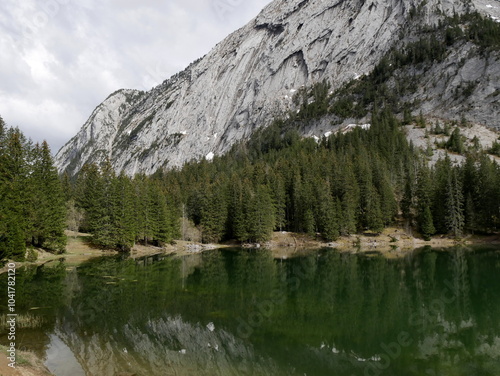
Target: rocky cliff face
252,75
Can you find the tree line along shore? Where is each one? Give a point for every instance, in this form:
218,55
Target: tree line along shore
347,184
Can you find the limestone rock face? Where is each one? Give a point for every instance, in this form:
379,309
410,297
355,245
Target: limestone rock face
252,75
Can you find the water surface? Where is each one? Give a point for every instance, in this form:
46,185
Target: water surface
241,312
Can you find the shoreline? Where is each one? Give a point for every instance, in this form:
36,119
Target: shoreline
27,364
392,242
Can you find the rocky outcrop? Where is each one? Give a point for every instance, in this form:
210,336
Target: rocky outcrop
252,75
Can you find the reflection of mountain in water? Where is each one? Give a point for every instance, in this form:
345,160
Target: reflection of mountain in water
242,312
166,346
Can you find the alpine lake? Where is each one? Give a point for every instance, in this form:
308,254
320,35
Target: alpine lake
244,312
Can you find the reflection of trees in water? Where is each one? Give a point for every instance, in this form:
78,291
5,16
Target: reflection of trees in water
40,295
448,303
460,281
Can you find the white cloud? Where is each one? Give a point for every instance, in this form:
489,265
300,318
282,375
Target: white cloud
61,58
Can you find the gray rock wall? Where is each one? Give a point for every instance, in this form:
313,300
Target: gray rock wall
250,77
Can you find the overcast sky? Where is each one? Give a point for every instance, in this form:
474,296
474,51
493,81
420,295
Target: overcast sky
61,58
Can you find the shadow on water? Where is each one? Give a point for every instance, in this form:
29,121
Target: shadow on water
242,312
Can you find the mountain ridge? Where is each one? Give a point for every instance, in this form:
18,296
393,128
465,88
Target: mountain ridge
251,77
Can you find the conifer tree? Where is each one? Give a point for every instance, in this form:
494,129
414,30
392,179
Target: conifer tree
278,193
369,210
470,187
388,204
372,213
423,196
454,205
102,216
124,223
297,203
238,208
13,211
328,212
455,142
144,221
67,187
470,214
440,179
348,193
407,204
31,205
213,214
426,223
47,202
3,191
159,215
87,196
260,214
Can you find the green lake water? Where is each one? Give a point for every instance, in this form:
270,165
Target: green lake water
242,312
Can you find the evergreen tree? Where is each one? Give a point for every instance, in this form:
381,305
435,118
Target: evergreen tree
124,216
102,224
440,179
31,204
299,205
213,214
328,212
87,196
279,201
67,187
486,194
238,209
381,180
426,223
47,202
349,195
455,142
470,214
144,204
407,203
454,205
160,216
14,195
470,187
424,200
370,213
4,249
261,214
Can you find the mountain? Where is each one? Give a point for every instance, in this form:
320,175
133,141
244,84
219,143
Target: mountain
253,76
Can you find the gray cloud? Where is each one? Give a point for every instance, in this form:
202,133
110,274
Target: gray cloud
61,58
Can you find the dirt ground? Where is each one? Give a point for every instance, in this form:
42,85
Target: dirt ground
27,364
77,251
392,242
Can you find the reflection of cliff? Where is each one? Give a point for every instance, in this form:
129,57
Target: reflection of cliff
165,346
242,312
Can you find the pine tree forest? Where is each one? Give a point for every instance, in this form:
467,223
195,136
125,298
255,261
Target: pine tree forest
32,203
360,181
